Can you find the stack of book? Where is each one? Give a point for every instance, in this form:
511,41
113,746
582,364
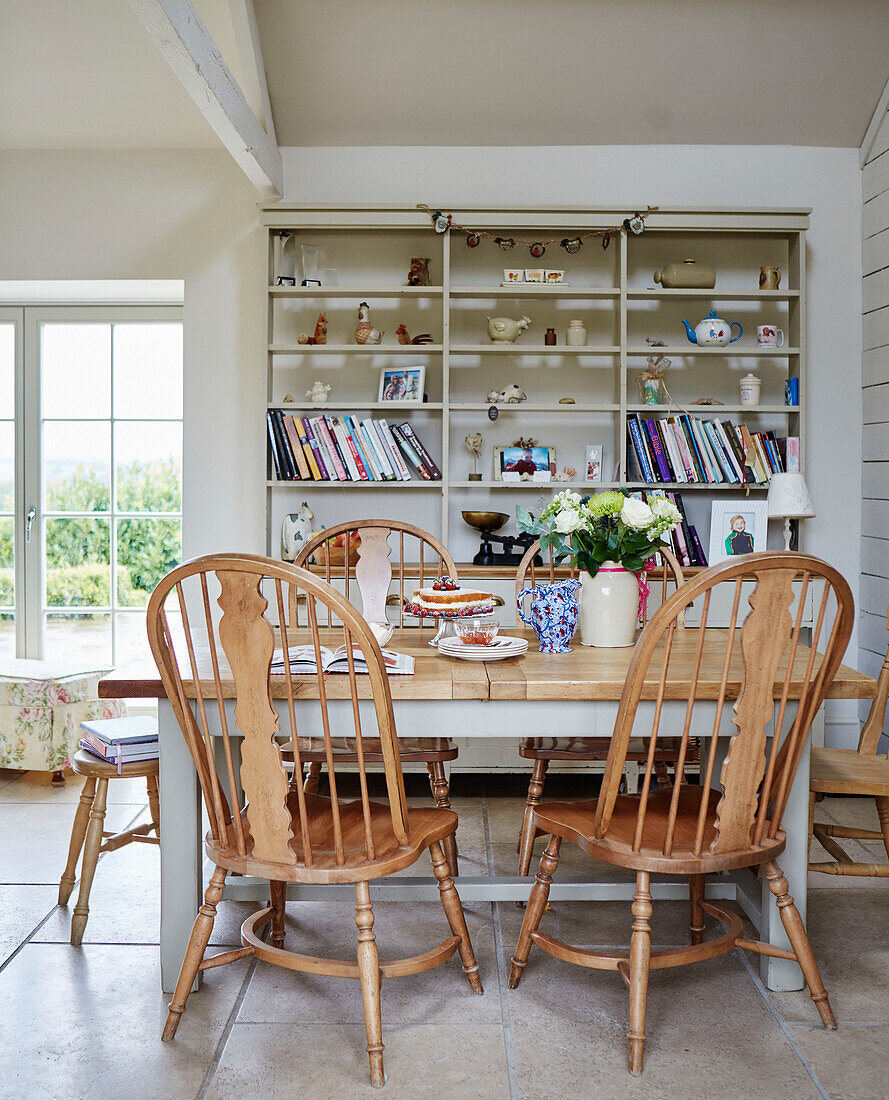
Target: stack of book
344,448
686,449
120,740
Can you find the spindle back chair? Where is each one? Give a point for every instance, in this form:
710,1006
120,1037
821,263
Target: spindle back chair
863,771
371,568
543,750
416,559
260,821
759,662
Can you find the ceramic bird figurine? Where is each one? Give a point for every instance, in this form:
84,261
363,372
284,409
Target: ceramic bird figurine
404,337
365,333
320,336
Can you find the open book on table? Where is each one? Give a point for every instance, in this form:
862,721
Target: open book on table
302,660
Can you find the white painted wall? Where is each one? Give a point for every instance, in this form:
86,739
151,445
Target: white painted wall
828,180
166,215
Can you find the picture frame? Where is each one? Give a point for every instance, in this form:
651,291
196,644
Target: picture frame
402,385
593,463
511,462
737,526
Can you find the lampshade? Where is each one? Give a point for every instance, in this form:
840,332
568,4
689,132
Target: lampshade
789,497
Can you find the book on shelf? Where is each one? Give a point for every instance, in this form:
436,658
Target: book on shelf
345,448
303,660
709,451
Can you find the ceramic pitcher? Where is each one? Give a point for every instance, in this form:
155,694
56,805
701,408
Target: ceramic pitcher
553,615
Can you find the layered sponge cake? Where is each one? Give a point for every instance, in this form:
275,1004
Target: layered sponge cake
446,597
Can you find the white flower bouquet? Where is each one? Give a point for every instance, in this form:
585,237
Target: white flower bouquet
608,526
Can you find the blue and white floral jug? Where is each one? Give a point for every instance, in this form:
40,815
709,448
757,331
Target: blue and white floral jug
553,615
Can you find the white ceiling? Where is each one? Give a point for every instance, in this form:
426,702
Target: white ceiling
574,72
83,74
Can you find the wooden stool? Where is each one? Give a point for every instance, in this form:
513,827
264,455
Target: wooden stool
88,833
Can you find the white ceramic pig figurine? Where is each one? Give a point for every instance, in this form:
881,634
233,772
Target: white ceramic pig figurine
504,330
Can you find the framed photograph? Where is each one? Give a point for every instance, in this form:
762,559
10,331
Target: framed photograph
524,463
593,462
402,384
737,527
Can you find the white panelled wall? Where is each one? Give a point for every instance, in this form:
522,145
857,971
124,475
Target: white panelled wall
873,636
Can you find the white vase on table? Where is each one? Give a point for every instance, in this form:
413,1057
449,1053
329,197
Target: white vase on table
609,607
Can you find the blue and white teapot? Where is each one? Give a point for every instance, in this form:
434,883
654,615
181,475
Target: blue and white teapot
713,330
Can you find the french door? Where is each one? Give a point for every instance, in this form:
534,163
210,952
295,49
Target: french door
90,476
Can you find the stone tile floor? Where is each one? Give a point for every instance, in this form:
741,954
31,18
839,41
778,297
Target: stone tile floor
85,1022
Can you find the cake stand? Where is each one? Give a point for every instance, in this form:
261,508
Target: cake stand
446,620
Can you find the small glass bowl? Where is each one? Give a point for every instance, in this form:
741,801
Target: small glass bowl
476,631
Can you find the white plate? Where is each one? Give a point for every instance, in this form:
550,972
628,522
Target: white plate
499,651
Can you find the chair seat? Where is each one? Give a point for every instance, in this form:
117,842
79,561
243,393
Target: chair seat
596,748
576,821
845,771
425,826
412,749
84,763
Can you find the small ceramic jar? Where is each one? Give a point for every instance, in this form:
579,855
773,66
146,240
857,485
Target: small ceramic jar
549,338
750,389
575,337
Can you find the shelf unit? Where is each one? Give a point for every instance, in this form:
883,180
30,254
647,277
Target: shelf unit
611,290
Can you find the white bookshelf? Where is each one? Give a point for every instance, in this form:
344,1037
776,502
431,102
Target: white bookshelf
611,290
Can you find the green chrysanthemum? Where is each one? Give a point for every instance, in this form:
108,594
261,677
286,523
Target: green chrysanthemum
605,504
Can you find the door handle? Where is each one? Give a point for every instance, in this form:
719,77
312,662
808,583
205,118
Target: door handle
29,519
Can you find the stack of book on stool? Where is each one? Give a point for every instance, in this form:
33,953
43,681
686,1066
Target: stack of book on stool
121,740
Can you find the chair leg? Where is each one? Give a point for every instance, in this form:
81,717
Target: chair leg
154,803
91,848
799,941
81,819
883,811
696,913
369,972
194,953
640,956
441,792
450,901
278,904
549,861
529,833
663,775
311,784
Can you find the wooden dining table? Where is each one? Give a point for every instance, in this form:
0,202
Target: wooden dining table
567,694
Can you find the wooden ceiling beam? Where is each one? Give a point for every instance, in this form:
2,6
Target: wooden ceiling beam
192,54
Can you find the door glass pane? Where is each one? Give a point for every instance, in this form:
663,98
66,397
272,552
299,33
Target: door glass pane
147,371
75,371
78,563
132,637
7,372
148,460
82,638
147,549
77,466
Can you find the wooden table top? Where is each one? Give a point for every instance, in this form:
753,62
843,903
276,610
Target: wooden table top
584,673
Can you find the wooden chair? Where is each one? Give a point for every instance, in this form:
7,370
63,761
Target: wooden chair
88,834
276,830
695,830
860,771
543,750
371,569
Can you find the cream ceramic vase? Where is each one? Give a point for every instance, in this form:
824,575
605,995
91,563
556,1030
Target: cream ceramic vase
609,607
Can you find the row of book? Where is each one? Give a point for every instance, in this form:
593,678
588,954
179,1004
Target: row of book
687,449
686,544
344,448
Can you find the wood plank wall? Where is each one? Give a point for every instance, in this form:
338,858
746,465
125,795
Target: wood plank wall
872,633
